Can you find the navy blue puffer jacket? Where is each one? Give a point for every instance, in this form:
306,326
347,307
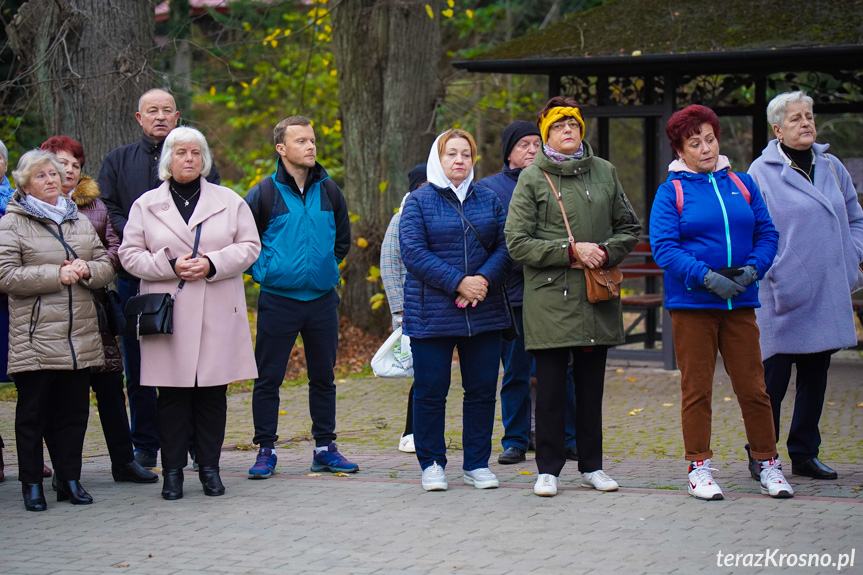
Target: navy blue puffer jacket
439,250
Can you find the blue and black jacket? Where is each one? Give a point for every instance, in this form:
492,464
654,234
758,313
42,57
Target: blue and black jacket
307,236
716,228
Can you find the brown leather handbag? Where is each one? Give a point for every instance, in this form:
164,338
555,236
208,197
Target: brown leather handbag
602,284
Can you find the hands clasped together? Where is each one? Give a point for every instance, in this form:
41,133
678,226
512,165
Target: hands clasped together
471,291
591,254
191,269
71,272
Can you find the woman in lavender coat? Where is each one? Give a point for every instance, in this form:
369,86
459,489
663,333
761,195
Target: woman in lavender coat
806,314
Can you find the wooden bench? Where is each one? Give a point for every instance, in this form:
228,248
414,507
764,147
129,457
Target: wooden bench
640,264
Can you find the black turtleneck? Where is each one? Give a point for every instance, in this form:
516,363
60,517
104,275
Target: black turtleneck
181,193
802,159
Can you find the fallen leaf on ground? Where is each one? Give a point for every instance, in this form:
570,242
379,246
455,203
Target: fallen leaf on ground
313,474
282,412
340,474
831,403
667,405
525,473
726,398
121,565
619,370
631,379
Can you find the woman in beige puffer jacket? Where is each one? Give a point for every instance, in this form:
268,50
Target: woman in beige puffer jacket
50,260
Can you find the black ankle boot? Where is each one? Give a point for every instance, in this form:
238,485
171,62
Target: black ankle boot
211,481
34,497
73,492
133,472
172,484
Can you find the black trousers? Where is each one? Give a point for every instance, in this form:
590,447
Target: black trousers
551,375
112,413
52,405
804,437
201,409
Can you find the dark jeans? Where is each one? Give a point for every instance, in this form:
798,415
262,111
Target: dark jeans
409,420
479,359
804,438
280,320
204,409
112,413
551,374
53,405
515,405
142,399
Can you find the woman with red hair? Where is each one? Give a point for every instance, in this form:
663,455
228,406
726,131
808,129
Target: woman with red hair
711,233
106,381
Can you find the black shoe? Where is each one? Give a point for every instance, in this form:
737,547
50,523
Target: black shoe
531,444
73,492
145,459
211,481
754,465
133,472
34,497
511,455
572,453
172,484
813,468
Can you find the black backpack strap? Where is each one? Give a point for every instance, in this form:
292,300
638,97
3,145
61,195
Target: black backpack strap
266,200
332,191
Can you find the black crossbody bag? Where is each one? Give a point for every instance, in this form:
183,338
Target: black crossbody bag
153,313
510,333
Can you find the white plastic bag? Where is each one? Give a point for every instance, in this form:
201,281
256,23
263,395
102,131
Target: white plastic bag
394,358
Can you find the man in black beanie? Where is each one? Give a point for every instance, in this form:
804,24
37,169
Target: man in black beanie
520,142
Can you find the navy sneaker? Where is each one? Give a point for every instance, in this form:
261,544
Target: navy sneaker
333,461
264,465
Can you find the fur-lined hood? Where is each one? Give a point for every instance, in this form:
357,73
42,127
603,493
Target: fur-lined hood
85,192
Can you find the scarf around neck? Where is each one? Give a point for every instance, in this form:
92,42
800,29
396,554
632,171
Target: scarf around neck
556,156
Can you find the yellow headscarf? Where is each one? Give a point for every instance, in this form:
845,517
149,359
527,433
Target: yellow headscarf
555,114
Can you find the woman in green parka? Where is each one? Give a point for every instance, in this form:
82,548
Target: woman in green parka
559,322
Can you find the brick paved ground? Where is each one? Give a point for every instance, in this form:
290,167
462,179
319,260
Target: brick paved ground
380,521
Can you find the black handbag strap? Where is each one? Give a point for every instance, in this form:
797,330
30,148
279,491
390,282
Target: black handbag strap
69,249
194,254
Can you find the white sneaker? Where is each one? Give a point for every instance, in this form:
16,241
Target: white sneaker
434,478
406,444
481,478
773,482
701,482
546,485
598,480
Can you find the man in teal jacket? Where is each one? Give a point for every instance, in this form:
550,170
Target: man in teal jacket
305,234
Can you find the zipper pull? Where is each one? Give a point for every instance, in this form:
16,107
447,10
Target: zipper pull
565,290
586,191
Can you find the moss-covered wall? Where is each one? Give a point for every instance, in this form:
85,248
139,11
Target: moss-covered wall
677,26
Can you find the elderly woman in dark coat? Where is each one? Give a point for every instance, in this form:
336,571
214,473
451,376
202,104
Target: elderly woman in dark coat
452,242
107,380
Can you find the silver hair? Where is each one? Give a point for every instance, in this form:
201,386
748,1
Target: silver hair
30,162
153,91
184,135
4,152
777,106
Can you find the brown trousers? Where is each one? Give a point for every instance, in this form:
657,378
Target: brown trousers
698,334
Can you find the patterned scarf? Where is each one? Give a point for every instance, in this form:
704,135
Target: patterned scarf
556,156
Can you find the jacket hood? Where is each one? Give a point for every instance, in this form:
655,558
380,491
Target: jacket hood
772,155
85,192
19,205
567,168
435,175
678,165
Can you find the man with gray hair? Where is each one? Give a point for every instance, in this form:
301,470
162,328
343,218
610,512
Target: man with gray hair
127,173
305,234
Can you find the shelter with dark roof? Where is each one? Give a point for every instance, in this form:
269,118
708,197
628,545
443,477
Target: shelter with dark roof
645,60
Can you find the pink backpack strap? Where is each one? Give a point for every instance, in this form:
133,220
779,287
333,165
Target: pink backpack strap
740,186
678,190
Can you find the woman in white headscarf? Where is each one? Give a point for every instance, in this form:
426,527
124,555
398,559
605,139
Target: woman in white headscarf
452,242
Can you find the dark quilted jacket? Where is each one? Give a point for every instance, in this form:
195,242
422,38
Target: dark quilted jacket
86,197
439,250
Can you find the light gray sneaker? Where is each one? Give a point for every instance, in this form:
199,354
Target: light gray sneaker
546,485
598,480
434,479
481,478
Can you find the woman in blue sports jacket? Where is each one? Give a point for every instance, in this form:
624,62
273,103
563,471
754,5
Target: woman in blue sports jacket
711,233
452,243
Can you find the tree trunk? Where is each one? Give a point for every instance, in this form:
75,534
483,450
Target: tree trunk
86,62
387,54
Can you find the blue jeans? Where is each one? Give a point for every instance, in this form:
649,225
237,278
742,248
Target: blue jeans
515,392
280,320
479,358
142,399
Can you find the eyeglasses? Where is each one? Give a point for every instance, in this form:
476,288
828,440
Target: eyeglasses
572,124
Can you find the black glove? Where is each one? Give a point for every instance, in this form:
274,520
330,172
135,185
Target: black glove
721,285
749,275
